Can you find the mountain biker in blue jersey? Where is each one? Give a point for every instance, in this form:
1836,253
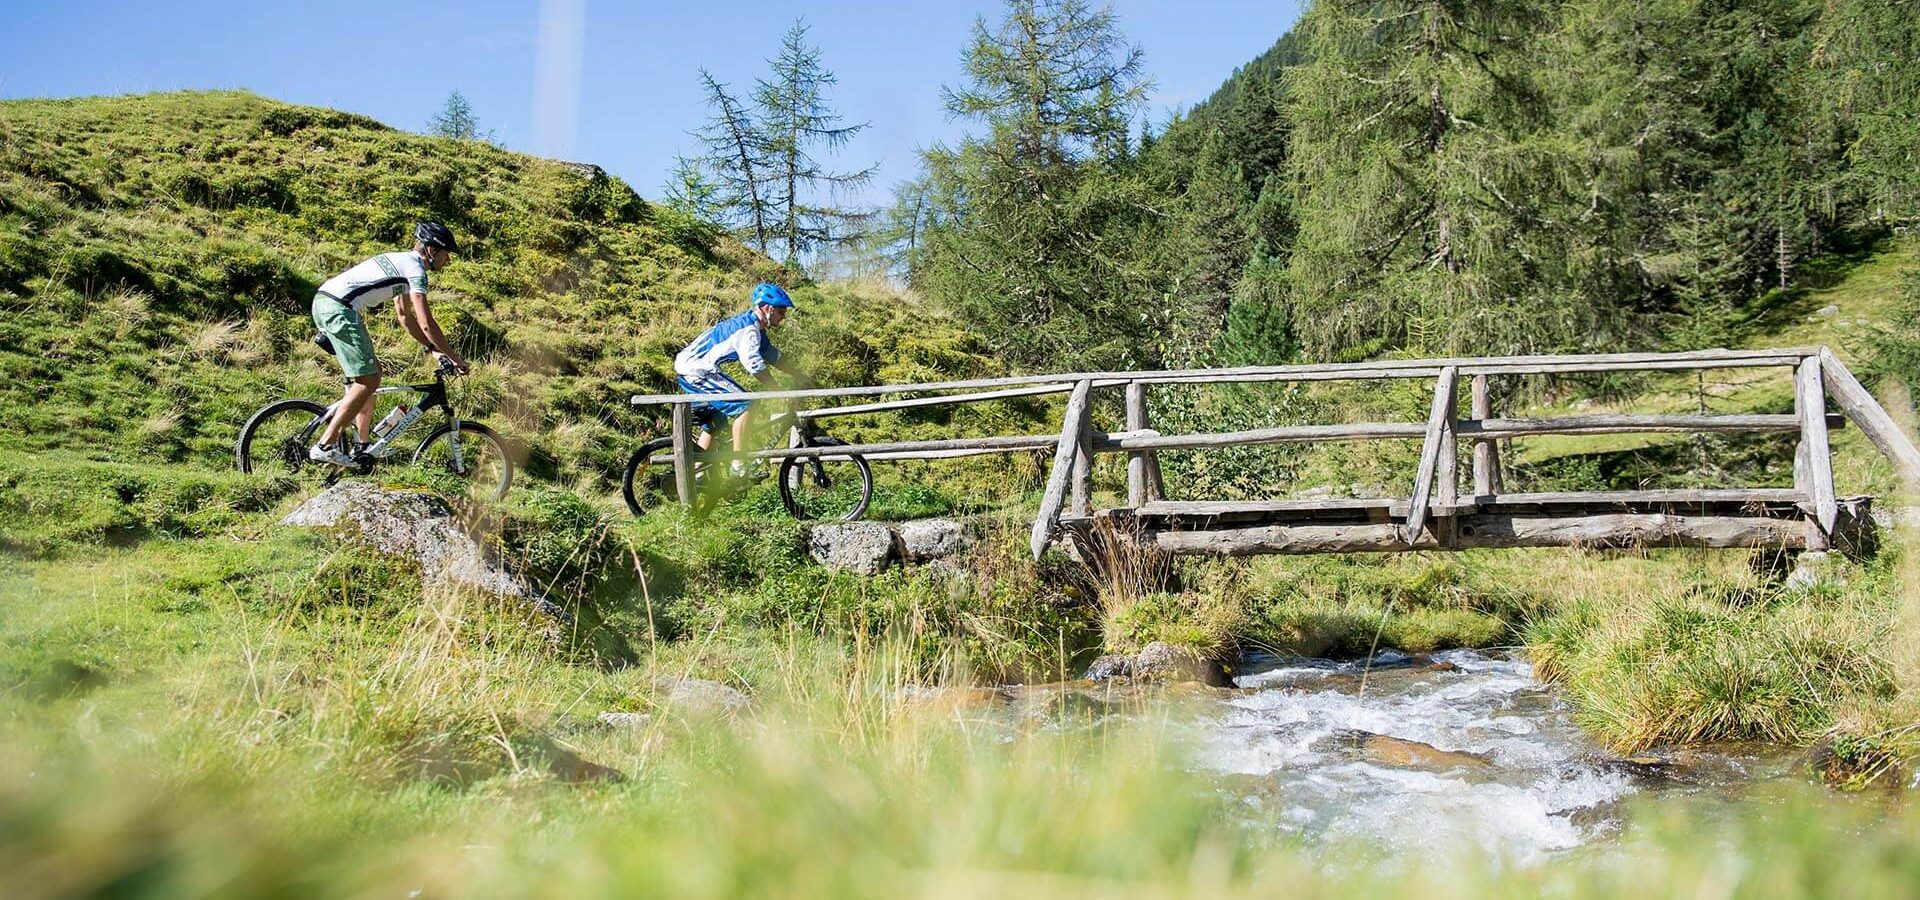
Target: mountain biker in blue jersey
400,276
742,339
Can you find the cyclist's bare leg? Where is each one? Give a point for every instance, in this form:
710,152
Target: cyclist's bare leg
740,430
357,405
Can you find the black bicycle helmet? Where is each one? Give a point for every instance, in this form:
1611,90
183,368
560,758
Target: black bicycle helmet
434,234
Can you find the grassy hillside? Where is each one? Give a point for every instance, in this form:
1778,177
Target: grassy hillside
157,254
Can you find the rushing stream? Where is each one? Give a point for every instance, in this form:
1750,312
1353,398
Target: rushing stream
1429,754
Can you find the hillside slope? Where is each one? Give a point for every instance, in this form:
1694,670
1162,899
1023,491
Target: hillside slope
157,253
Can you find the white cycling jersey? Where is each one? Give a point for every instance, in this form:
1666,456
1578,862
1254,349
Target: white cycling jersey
379,279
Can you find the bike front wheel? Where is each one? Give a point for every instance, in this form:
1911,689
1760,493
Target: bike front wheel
275,440
647,482
828,486
483,460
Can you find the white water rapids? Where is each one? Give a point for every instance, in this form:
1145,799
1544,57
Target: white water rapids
1413,757
1294,730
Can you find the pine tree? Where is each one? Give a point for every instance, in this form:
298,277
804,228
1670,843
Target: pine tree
1034,222
1432,198
1706,179
735,155
795,122
455,119
1866,64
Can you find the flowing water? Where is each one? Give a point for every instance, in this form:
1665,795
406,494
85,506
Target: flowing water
1426,755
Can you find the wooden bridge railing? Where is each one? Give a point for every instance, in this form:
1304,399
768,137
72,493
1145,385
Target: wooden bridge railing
1433,515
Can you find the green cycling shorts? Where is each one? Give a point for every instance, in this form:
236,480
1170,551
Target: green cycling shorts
352,345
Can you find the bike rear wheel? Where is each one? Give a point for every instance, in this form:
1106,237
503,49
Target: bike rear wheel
275,440
826,487
484,461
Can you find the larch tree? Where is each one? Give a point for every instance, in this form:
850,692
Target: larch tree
1032,227
796,124
734,153
455,119
1432,199
692,190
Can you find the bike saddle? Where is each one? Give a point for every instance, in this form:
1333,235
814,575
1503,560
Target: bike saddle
324,343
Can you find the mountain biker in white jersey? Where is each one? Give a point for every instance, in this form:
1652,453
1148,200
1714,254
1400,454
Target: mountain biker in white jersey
742,339
337,309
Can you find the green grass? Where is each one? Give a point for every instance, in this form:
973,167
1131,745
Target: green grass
284,737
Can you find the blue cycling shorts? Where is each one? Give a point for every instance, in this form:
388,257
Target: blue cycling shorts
707,412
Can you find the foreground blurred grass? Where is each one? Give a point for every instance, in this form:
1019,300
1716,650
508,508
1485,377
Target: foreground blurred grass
839,785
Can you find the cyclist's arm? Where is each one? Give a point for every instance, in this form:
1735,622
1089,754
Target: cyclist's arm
792,371
418,319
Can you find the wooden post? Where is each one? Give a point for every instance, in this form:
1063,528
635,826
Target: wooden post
1873,420
683,453
1138,486
1486,453
1814,455
1430,454
1073,428
1446,474
1082,504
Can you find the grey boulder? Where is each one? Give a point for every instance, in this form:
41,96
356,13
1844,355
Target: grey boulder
699,697
923,540
1160,661
416,526
863,548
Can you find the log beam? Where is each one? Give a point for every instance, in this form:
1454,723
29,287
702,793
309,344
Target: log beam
683,454
1873,420
1395,368
1488,429
1817,456
1286,434
1143,466
1618,530
1487,479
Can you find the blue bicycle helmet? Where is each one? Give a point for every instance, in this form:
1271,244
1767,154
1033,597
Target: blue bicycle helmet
770,294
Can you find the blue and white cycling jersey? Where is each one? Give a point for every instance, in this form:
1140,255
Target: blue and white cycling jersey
736,339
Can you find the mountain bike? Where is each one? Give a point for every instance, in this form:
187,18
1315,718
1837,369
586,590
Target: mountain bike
830,486
275,440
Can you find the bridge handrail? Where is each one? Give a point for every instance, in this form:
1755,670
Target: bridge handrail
1392,368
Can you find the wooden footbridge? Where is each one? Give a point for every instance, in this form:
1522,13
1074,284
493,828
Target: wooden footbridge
1438,511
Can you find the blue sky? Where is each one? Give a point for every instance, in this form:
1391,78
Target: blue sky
635,69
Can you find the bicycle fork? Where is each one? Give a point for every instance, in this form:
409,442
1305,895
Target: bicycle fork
802,436
453,447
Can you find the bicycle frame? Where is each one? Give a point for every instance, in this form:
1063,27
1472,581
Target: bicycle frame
430,396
